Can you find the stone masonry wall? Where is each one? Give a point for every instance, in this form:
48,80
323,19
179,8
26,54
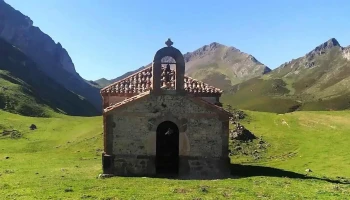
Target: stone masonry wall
209,99
209,168
205,137
164,104
134,133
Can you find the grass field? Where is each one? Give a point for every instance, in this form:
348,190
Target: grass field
62,160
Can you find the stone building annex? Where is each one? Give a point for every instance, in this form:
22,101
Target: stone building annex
160,122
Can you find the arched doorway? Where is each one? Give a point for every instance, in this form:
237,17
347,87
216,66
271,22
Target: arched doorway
167,148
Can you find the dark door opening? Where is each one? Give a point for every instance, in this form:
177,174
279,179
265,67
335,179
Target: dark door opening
167,149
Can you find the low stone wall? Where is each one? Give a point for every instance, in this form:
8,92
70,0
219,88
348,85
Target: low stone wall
189,167
204,168
127,165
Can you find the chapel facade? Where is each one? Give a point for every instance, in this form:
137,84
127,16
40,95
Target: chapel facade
158,121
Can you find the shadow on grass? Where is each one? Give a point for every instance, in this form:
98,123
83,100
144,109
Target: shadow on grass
242,171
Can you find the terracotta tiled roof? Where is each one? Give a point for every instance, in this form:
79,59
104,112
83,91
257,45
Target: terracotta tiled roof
141,81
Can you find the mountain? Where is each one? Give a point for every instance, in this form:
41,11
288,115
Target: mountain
218,65
27,90
318,80
50,57
102,82
222,66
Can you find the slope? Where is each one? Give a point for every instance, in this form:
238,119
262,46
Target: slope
222,66
50,57
26,90
102,82
217,65
317,81
71,149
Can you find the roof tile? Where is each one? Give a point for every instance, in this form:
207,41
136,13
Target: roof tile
141,81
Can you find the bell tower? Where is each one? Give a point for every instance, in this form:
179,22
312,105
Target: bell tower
159,75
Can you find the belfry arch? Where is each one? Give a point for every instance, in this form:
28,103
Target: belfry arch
170,51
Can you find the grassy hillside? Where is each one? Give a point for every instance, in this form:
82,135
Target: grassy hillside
259,94
26,90
318,81
102,82
62,159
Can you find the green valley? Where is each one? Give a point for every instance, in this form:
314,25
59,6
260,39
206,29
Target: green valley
62,159
62,137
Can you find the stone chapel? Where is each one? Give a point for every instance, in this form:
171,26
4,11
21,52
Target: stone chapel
159,122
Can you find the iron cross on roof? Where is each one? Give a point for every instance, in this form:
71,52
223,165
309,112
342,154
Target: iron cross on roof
169,43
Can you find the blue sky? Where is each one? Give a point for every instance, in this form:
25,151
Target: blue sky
106,38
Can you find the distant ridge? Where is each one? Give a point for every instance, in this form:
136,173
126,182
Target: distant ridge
317,81
217,64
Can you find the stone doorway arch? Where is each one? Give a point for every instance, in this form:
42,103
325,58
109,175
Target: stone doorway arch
167,148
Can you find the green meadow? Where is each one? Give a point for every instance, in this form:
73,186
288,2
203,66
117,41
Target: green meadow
61,159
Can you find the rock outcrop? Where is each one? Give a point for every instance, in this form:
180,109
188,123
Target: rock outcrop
346,53
321,49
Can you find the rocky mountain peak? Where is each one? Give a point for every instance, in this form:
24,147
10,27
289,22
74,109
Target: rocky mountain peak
214,45
329,44
211,47
321,49
203,51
